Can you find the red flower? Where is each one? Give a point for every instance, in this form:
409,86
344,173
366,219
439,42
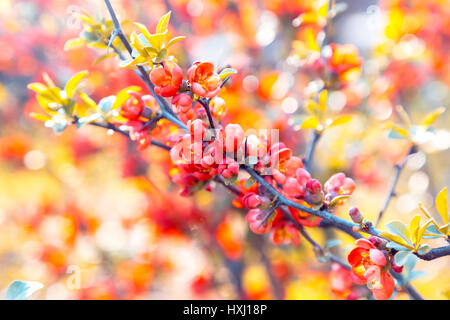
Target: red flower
167,80
368,267
339,184
229,168
251,200
205,82
133,107
233,137
255,217
182,103
285,233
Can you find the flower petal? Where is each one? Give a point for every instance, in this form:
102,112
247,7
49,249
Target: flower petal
365,244
377,257
388,285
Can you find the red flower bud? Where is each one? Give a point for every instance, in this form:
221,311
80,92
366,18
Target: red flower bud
251,200
133,107
396,268
254,218
356,215
378,242
302,176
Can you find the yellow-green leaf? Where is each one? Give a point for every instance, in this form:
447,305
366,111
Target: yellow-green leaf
226,73
441,205
74,44
40,116
91,103
310,123
432,116
175,40
401,131
444,229
156,40
97,45
86,18
37,87
312,107
341,120
396,239
144,30
422,231
414,229
73,83
123,96
323,100
163,23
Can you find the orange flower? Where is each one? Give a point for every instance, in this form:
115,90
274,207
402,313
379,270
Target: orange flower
167,80
368,267
345,61
133,107
205,82
285,233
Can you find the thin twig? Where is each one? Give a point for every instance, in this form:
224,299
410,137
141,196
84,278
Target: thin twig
205,105
310,152
277,288
391,194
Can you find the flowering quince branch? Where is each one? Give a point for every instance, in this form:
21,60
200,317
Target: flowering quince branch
398,170
285,199
165,108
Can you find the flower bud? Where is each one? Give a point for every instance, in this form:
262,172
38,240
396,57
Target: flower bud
302,176
396,268
314,193
251,200
356,215
378,242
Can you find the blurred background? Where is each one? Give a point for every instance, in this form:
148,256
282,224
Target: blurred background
88,216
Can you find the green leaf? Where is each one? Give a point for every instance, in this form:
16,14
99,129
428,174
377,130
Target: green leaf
226,73
401,257
432,232
249,183
424,248
398,228
392,134
163,23
73,83
396,246
175,40
106,103
22,290
409,265
337,199
161,56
